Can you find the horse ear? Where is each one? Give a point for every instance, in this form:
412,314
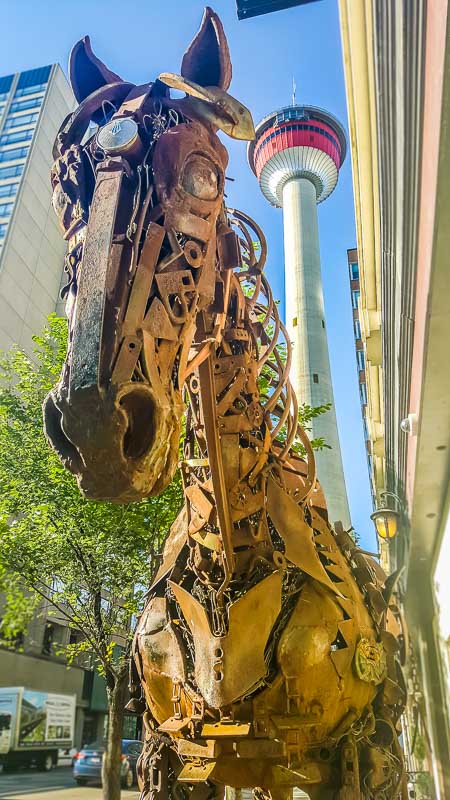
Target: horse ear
86,72
207,59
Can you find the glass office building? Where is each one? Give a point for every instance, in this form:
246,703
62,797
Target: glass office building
32,107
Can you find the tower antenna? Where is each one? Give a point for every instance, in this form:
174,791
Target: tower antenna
294,90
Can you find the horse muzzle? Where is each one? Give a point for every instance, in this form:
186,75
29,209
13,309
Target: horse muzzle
118,444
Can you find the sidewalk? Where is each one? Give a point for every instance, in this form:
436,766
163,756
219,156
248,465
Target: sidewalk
55,785
75,793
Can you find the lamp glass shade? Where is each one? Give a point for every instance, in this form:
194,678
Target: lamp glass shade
386,522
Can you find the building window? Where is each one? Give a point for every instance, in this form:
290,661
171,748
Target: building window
47,641
105,606
24,105
295,322
57,586
300,127
34,76
323,323
14,155
54,636
40,87
86,693
5,86
366,430
123,619
33,81
354,272
11,172
363,393
6,209
355,298
75,637
3,229
357,329
315,377
8,189
23,119
12,138
360,358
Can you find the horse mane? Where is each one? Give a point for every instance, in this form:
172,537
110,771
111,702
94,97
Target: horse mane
272,347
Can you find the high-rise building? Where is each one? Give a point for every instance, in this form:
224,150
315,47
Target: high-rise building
32,106
296,156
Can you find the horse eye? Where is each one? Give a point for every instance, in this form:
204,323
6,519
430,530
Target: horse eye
200,178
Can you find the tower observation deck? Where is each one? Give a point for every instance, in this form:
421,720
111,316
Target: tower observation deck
296,156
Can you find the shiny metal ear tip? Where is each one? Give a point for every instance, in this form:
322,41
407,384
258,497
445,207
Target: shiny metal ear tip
215,105
250,133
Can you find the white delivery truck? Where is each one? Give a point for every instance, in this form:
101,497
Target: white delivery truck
34,726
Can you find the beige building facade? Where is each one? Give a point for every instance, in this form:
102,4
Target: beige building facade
32,107
397,72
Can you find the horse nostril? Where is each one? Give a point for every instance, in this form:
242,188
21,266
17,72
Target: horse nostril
140,410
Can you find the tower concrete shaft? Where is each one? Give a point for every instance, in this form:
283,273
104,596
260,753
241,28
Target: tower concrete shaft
305,321
296,156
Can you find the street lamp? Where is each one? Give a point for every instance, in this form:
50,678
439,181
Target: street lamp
386,518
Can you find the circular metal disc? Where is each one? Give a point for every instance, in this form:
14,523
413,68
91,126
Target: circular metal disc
118,135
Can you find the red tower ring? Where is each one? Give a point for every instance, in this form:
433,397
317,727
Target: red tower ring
296,142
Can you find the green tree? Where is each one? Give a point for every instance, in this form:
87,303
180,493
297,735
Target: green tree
90,562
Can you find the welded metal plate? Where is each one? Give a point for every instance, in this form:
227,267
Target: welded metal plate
227,667
94,283
230,729
194,772
286,515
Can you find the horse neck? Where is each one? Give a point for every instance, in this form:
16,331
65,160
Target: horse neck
240,405
228,432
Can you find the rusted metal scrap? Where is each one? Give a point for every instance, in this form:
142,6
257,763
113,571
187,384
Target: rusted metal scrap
267,654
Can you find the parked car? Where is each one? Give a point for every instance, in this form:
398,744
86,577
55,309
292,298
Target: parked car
87,764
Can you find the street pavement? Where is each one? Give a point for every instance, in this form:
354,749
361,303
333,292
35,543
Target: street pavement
55,785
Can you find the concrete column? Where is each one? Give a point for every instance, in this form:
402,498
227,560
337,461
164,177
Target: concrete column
305,321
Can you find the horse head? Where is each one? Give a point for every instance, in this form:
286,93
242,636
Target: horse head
138,186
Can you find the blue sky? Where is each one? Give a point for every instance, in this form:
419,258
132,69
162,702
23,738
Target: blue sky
138,40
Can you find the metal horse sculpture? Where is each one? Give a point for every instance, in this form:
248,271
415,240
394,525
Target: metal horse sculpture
265,656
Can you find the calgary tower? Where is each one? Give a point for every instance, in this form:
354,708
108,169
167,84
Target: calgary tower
296,156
